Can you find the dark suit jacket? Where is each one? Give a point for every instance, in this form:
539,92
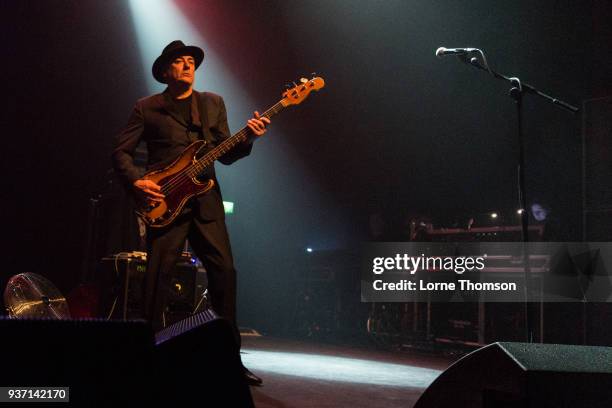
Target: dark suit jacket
156,120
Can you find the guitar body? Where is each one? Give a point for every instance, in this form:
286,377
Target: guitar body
161,214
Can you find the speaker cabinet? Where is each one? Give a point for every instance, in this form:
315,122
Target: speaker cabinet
509,375
194,362
198,360
103,362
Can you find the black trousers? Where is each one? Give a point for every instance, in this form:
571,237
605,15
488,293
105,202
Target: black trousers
210,242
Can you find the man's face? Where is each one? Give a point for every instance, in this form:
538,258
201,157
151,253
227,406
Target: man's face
181,69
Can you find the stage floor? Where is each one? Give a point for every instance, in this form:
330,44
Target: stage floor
308,374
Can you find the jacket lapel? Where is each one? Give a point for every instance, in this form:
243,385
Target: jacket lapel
195,111
202,115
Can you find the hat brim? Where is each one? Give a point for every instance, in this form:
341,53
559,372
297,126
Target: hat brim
163,60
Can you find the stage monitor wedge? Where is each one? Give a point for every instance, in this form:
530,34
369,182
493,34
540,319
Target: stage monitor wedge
198,361
105,363
512,375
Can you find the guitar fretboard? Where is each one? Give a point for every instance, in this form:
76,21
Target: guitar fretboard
209,158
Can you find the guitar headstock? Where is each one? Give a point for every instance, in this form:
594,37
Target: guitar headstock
295,95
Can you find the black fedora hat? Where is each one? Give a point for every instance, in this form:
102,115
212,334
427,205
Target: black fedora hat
171,51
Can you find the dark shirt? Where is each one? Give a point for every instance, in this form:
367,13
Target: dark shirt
184,108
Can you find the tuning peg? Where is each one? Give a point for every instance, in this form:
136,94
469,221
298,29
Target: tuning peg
313,74
303,80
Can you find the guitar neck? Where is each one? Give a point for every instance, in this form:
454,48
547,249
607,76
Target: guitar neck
242,135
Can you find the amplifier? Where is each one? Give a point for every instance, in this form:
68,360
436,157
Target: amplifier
122,277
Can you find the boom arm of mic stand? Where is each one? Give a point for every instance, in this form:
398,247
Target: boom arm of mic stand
525,87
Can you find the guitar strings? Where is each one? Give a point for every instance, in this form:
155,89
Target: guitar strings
188,172
193,170
183,175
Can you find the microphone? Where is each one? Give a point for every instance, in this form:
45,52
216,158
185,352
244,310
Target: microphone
440,52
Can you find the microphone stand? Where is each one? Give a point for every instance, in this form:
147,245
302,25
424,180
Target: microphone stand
517,91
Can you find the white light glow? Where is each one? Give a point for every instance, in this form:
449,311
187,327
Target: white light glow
342,369
157,23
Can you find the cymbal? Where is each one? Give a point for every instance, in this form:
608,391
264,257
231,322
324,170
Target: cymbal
29,295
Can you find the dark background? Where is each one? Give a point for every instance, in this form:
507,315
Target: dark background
395,130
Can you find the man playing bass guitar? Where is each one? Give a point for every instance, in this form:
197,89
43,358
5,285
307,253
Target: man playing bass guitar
168,123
